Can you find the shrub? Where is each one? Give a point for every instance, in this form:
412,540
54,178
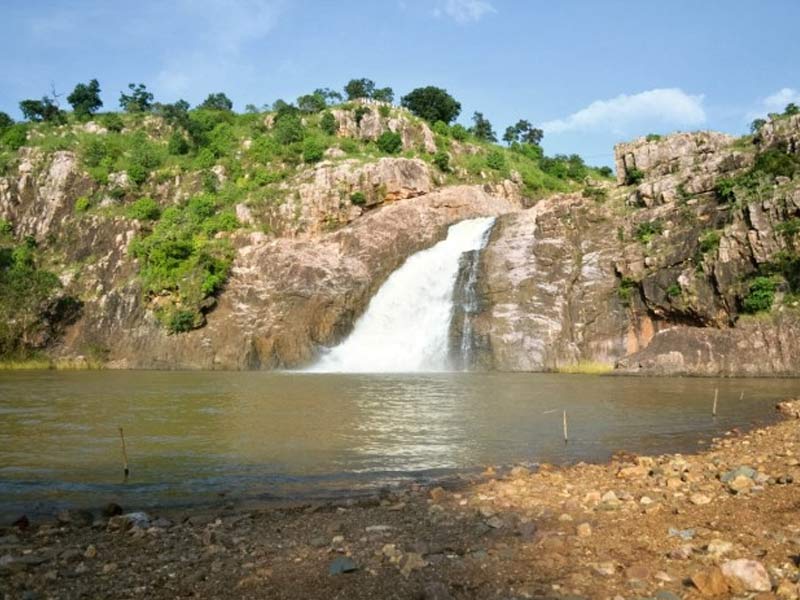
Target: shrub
605,171
709,241
789,228
289,129
181,321
358,198
5,121
791,109
674,290
652,137
760,295
144,209
311,103
432,104
633,176
178,145
15,136
756,125
442,160
441,128
328,123
627,286
112,122
313,150
6,229
646,231
82,204
598,194
725,189
384,111
390,142
459,132
359,113
776,163
495,160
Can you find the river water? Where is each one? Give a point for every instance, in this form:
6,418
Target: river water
195,436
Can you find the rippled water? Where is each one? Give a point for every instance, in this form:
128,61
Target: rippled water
194,435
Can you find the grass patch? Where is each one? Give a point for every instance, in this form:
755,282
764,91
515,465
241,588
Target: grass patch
586,367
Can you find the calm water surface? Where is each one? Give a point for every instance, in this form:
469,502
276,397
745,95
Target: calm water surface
192,436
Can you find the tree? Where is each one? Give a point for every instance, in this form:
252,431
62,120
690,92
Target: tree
390,142
5,121
176,114
359,88
218,101
523,132
85,99
482,128
251,109
432,104
139,100
312,103
792,109
385,94
45,109
756,125
331,96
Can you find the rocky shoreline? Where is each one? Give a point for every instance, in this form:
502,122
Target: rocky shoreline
721,523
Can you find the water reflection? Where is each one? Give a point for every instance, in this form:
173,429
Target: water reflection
193,435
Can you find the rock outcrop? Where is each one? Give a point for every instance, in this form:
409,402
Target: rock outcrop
286,297
652,279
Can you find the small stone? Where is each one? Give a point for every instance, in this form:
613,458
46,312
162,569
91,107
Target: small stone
609,497
495,522
520,472
109,568
438,494
682,553
319,542
743,471
412,562
342,564
718,547
21,523
584,530
684,534
740,484
710,582
565,518
699,499
645,501
748,575
606,569
91,551
637,573
81,569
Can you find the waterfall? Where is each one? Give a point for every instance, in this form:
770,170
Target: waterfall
466,305
406,326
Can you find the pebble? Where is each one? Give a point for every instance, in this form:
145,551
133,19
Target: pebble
91,551
412,562
684,534
718,547
710,582
750,575
606,569
584,530
740,484
342,564
699,499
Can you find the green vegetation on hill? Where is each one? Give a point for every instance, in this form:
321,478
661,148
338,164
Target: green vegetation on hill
222,158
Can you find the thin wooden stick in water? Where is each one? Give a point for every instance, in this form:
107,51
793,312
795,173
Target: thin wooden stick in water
124,453
741,396
566,437
714,408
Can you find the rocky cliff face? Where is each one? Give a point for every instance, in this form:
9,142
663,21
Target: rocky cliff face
653,278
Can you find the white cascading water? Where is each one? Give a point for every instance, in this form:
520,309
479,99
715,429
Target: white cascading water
406,325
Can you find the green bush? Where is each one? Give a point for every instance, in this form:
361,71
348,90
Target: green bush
646,231
633,176
15,136
495,160
144,209
328,123
359,113
760,295
390,142
112,122
432,104
178,145
709,241
82,204
6,228
459,132
313,150
289,129
674,290
652,137
358,198
442,160
776,163
181,320
725,189
598,194
384,111
626,289
181,257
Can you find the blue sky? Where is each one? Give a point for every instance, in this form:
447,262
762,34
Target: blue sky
590,72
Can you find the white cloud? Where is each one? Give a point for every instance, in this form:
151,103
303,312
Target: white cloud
773,103
666,106
465,11
779,100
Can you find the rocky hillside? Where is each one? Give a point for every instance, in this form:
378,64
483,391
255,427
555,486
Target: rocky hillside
207,239
216,240
689,265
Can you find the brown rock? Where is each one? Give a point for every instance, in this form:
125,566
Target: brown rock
710,582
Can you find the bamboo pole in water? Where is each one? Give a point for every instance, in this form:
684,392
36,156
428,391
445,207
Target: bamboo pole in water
566,437
124,454
716,397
